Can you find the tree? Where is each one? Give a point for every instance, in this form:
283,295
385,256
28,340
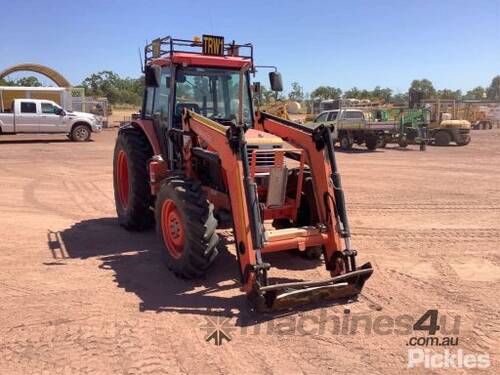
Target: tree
297,93
478,93
381,94
493,92
449,94
266,95
118,90
400,99
425,86
30,81
353,93
326,92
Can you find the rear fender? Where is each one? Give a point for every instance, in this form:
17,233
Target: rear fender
146,126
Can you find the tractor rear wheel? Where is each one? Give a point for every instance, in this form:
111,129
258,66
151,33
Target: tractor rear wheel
133,197
186,225
442,138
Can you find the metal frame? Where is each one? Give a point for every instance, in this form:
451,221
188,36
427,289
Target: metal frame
169,45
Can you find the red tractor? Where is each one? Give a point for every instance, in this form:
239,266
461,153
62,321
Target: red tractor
199,158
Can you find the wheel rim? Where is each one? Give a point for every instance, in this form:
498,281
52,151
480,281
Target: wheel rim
172,229
122,175
81,133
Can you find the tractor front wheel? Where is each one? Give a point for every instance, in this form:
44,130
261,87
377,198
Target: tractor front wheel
133,197
186,225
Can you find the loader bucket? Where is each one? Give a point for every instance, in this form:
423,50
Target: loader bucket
284,296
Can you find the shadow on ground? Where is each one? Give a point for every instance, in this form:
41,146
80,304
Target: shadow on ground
33,141
135,259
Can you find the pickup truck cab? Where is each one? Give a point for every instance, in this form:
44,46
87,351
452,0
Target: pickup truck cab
45,116
353,126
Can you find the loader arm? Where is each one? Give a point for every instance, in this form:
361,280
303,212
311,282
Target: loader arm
228,143
252,240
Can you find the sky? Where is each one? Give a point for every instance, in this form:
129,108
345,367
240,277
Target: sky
454,43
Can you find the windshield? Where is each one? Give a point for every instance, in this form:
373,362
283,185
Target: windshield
213,93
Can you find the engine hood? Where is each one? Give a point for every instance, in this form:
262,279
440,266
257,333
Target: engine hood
257,137
90,116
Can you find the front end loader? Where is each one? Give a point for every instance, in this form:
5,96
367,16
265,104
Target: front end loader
200,158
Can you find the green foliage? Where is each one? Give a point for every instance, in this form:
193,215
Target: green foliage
377,93
424,85
326,92
118,90
400,99
493,92
297,93
30,81
478,93
449,94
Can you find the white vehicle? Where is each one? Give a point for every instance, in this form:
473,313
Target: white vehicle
45,116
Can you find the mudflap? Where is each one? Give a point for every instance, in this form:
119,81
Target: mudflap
284,296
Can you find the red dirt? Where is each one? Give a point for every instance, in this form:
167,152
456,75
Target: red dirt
79,294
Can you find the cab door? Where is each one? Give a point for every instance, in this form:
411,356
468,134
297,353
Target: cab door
26,117
50,121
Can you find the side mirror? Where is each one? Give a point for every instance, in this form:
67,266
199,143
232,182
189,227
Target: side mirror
275,81
60,112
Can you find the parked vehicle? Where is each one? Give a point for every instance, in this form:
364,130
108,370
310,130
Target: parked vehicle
45,116
355,126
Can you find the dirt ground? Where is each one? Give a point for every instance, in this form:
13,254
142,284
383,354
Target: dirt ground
81,295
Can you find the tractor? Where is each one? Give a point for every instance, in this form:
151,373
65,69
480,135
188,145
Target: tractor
199,158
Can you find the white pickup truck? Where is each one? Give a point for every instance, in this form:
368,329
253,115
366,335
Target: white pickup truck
45,116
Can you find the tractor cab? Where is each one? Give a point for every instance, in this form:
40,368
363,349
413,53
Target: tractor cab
214,83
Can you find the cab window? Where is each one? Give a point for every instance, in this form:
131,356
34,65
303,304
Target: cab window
354,115
321,117
48,108
148,104
162,95
332,116
28,107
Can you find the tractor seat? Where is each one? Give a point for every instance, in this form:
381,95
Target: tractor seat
179,109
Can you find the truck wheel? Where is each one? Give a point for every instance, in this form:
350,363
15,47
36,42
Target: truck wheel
381,142
133,197
186,225
345,142
80,133
465,141
371,143
403,142
442,138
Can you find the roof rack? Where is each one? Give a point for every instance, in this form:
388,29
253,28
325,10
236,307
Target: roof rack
167,46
